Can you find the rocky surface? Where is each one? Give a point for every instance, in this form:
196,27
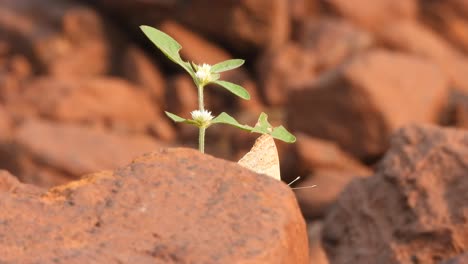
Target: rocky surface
48,154
82,89
328,167
413,210
364,98
133,214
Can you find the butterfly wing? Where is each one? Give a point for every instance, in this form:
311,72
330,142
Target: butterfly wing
263,157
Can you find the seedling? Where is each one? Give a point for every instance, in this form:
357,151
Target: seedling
203,75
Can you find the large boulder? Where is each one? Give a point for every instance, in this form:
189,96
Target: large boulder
48,154
242,25
169,206
416,38
413,210
361,103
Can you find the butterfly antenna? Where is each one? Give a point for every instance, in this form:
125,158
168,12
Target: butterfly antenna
295,180
298,188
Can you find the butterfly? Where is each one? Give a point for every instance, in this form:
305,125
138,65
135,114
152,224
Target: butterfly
263,158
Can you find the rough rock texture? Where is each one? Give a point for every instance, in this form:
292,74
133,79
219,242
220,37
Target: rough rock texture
462,259
360,104
413,210
105,102
169,206
415,38
323,164
284,69
374,14
333,41
49,154
450,19
69,39
242,24
316,252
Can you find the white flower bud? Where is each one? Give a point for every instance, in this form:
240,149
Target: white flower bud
203,73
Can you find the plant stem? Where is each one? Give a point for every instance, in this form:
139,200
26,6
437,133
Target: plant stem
201,133
200,98
201,139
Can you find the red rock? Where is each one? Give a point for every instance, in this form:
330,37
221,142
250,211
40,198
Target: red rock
462,259
373,14
5,123
333,41
325,165
67,40
413,210
140,70
48,154
415,38
174,205
106,102
284,69
360,104
243,25
449,18
316,252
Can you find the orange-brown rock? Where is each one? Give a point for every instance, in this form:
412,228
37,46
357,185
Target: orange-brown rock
243,25
413,210
169,206
325,165
49,154
316,252
414,37
139,69
105,102
333,41
361,103
450,19
284,69
373,14
462,259
67,40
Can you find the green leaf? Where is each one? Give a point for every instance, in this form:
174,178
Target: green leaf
235,89
263,126
224,118
227,65
282,134
169,46
179,119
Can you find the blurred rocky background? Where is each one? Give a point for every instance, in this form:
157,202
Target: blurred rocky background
366,85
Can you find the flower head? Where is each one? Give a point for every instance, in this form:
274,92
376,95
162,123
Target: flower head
202,117
203,73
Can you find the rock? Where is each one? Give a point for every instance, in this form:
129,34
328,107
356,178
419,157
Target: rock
333,41
375,14
413,210
15,70
169,206
324,164
316,252
105,102
415,38
448,18
6,124
361,103
69,39
48,154
462,259
242,25
10,184
140,70
284,69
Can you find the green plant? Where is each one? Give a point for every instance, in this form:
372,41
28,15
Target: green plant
203,75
